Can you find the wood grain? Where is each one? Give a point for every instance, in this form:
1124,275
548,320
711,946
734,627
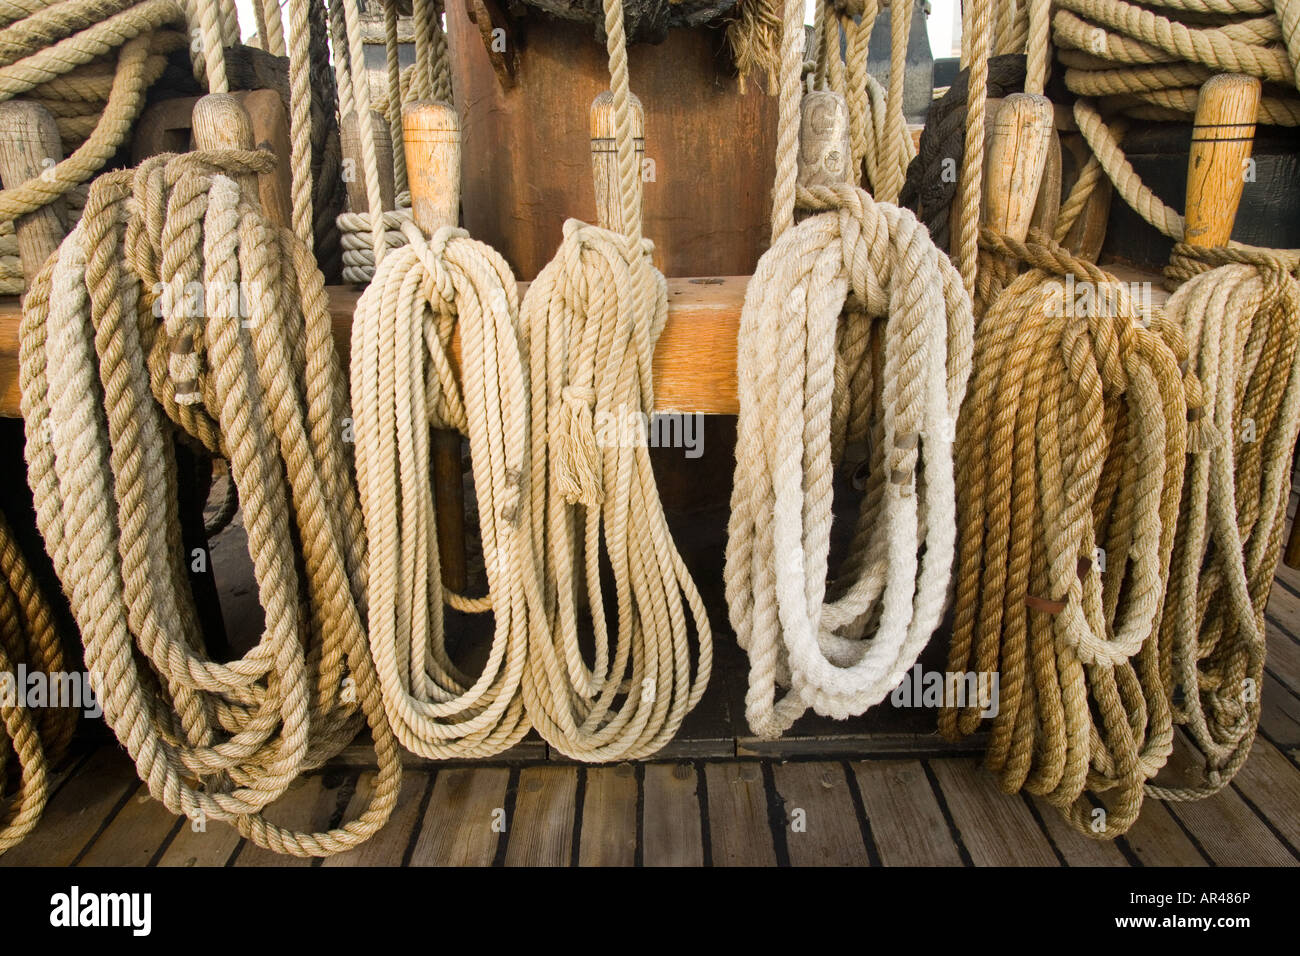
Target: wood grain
738,826
135,835
1231,833
77,811
1157,840
671,833
1018,144
1222,135
541,830
528,159
608,835
309,804
1078,850
997,828
907,825
1271,782
388,846
830,835
457,829
29,145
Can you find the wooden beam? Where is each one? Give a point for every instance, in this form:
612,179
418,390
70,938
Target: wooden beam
694,361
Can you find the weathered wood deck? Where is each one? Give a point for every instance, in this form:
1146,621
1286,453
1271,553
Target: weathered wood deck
887,810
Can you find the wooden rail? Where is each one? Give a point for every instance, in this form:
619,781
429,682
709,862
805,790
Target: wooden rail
694,364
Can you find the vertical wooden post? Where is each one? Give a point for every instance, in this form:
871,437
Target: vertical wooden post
220,122
29,145
1222,136
432,135
1018,143
604,158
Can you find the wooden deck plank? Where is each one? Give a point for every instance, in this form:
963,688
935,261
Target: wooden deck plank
671,832
388,846
458,826
1271,781
996,828
1078,850
77,811
1156,839
826,832
907,825
1284,608
308,804
609,814
1282,658
541,830
1279,717
1230,833
1290,575
140,828
738,824
211,846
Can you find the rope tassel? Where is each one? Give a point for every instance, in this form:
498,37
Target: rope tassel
578,458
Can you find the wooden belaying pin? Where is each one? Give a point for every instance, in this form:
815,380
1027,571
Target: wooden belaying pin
431,132
1016,153
604,158
29,146
1222,135
220,122
825,153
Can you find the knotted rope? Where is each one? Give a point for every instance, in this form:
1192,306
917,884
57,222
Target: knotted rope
1241,316
37,737
1071,449
402,384
855,326
248,372
590,322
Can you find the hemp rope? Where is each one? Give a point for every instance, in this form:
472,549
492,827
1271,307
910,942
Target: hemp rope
103,382
878,132
818,369
1241,315
1130,63
590,321
37,737
1072,437
429,78
402,384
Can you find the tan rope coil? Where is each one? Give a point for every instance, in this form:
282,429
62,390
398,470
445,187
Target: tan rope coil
590,321
1071,449
1241,316
252,377
819,368
402,384
36,737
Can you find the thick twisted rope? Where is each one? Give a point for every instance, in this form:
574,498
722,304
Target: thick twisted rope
402,384
252,378
1071,449
590,323
1241,317
818,369
1128,62
34,738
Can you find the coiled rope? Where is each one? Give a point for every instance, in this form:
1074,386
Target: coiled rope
103,384
818,368
590,321
1072,439
402,384
34,737
1241,316
1130,63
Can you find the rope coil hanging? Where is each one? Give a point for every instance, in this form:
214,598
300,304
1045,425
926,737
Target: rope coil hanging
590,321
1072,439
403,384
104,385
818,368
